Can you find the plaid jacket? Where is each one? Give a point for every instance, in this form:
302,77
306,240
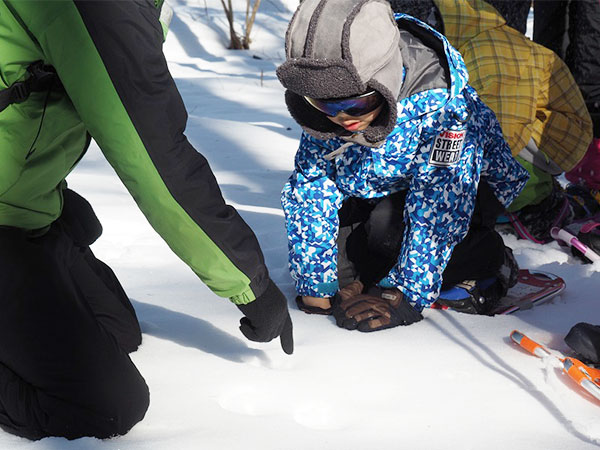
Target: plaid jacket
529,87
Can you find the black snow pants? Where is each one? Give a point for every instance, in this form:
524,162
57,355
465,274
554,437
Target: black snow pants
371,234
66,328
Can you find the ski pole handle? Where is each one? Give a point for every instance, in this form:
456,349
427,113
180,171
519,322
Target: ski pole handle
562,235
528,344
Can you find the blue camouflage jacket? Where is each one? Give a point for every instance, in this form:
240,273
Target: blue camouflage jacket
443,142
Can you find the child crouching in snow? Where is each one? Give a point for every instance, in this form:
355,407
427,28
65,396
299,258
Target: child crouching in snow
399,164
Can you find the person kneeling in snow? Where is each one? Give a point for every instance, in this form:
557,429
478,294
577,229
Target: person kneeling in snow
66,324
399,161
540,108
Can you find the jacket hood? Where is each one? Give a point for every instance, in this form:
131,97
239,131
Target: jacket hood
431,63
465,19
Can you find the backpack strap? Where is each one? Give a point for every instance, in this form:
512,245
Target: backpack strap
41,78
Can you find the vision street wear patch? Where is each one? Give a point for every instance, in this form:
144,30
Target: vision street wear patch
447,148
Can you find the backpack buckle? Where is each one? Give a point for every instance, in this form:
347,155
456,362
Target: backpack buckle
19,92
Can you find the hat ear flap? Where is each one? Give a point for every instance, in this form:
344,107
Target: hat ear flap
385,122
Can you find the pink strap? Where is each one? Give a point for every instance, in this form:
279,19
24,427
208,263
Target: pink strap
522,231
588,227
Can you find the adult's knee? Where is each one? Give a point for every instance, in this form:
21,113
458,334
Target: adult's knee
108,408
131,408
101,412
120,405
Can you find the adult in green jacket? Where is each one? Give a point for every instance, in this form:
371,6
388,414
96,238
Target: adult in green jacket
66,325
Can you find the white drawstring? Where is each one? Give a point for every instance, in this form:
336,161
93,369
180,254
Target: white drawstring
337,151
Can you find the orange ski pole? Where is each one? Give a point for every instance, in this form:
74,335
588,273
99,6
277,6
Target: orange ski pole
528,344
586,377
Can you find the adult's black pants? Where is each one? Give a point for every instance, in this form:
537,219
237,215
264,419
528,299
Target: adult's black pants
372,231
66,328
571,28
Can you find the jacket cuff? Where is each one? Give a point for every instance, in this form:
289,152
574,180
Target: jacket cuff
244,298
309,287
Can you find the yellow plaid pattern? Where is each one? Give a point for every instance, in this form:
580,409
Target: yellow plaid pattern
530,88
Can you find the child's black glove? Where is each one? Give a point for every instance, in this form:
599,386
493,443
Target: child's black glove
377,310
268,317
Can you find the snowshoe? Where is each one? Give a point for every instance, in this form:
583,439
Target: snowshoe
531,288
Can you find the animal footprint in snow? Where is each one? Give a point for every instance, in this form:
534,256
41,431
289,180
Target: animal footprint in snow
251,401
314,413
321,416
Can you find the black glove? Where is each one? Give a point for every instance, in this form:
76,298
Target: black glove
377,310
268,317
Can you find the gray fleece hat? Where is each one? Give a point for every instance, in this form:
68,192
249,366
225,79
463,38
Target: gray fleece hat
342,48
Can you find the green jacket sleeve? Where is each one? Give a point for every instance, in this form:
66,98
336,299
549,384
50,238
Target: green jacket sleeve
108,55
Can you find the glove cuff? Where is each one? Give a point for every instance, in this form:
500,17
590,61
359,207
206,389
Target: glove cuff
270,303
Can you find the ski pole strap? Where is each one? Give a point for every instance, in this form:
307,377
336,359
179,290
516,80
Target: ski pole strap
41,78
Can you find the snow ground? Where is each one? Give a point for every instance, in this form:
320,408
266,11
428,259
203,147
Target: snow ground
452,381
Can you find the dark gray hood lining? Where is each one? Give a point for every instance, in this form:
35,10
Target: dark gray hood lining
423,70
319,78
424,58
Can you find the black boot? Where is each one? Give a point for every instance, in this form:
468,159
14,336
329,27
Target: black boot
482,296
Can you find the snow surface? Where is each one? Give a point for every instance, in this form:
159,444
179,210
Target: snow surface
452,381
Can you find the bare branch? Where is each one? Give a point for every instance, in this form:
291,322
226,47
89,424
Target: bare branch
250,22
235,42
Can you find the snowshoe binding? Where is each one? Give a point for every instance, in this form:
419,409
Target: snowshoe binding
471,296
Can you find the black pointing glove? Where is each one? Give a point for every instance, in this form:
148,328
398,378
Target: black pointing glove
268,317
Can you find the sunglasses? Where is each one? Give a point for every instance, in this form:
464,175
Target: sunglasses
353,106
